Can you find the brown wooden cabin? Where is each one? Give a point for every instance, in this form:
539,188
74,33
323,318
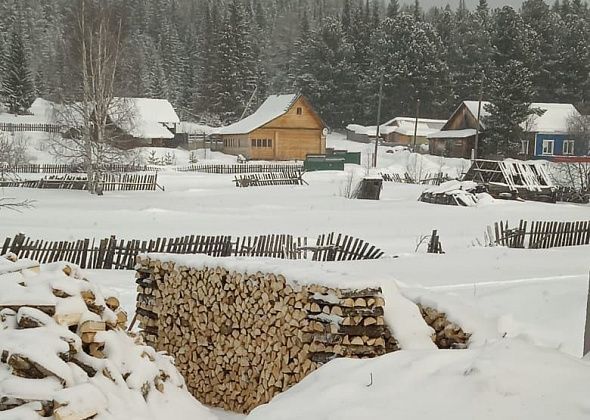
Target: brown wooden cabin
285,127
457,137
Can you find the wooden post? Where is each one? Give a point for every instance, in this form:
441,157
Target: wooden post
416,122
377,132
587,325
476,146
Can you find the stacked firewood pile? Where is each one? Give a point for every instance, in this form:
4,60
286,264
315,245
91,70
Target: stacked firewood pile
239,339
447,335
64,352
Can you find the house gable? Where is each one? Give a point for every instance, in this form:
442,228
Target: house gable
300,115
462,119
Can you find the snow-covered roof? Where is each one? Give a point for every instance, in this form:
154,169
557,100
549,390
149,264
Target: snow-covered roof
195,128
403,127
146,117
554,120
453,134
272,108
155,110
431,123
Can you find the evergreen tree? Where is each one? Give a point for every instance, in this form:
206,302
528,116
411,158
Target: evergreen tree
392,8
511,89
411,57
17,87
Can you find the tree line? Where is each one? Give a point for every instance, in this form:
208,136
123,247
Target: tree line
217,60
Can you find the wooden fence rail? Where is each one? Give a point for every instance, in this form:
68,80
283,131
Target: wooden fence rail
58,168
245,168
540,235
113,253
426,179
271,178
20,127
108,182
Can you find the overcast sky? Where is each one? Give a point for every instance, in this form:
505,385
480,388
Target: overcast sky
470,3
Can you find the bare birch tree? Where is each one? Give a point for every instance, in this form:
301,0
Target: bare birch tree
89,108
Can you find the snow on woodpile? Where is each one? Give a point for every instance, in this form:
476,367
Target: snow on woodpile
457,193
64,354
507,379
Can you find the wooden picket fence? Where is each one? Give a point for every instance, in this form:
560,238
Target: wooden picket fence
540,235
57,168
428,179
108,182
244,168
19,127
113,253
271,178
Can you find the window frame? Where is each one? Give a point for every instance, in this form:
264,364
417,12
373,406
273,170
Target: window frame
299,110
524,147
548,141
571,147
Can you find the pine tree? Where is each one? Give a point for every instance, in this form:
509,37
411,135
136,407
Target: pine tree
17,87
511,89
392,8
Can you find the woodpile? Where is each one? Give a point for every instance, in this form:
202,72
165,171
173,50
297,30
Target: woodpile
241,338
447,335
57,331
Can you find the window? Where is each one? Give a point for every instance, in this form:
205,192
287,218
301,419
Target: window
524,147
548,147
269,142
568,147
258,143
253,143
299,111
264,143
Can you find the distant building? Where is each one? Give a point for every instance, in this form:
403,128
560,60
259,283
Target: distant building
396,132
144,122
547,134
285,127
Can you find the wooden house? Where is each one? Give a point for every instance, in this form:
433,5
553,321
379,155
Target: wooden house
144,122
549,136
285,127
546,135
457,137
396,132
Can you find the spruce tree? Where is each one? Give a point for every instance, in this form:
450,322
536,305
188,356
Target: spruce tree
511,89
392,8
17,87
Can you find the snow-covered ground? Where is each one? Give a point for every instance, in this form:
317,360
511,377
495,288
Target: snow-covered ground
532,297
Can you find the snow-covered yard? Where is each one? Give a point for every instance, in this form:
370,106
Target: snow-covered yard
532,297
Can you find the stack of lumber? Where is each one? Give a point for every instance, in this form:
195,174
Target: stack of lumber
447,335
64,352
240,338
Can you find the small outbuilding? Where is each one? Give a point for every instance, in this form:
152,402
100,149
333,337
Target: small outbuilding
285,127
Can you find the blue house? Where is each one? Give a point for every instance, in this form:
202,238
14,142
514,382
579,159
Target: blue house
550,133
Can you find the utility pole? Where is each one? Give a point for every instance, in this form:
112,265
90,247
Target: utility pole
416,122
377,133
476,146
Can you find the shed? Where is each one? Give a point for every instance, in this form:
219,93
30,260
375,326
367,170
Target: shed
512,178
285,127
144,122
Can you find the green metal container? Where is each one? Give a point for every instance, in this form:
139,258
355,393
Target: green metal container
323,163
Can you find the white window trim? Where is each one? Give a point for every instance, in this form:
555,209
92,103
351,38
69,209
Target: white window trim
552,147
573,147
524,147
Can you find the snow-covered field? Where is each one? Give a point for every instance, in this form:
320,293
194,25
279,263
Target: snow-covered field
535,298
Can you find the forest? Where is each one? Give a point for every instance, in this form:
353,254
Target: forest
216,60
